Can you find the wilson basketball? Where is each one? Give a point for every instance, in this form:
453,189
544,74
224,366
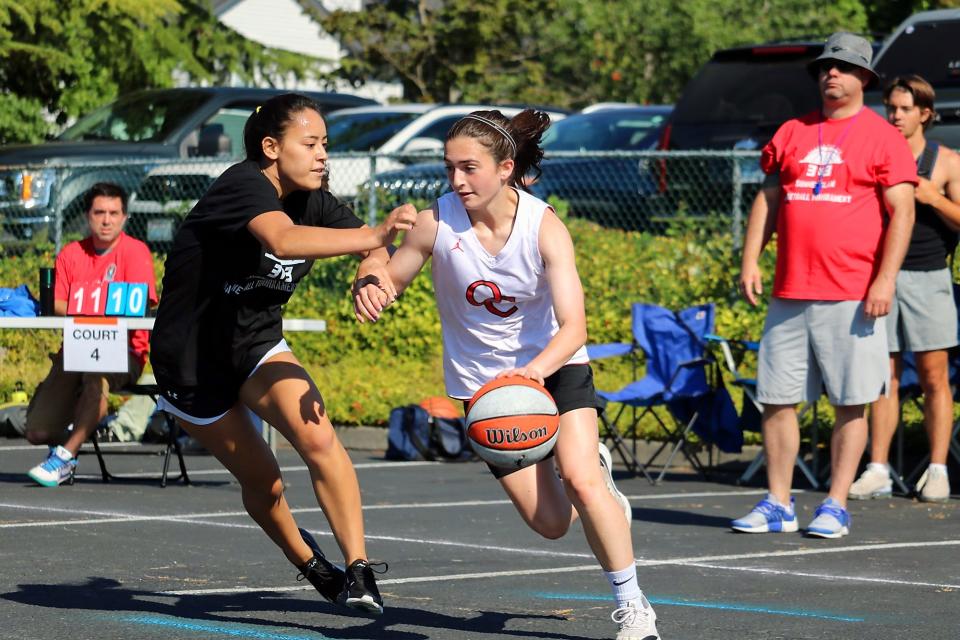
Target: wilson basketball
512,422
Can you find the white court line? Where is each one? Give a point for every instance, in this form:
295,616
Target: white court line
287,469
824,576
693,561
111,516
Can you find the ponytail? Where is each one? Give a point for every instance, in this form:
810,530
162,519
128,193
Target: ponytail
517,138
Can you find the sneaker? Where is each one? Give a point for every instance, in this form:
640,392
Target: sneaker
328,579
830,520
637,621
768,516
934,485
361,591
606,463
872,483
59,467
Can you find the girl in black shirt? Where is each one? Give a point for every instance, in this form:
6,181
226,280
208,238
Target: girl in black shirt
218,350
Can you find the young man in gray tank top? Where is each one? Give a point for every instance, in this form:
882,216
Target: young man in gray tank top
923,317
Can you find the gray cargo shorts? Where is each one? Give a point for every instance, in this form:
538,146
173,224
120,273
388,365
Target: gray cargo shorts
812,345
923,316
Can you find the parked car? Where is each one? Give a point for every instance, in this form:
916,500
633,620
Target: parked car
925,43
736,101
166,123
615,191
742,95
417,129
170,190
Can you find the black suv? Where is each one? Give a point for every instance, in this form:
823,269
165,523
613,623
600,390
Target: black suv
736,102
925,43
163,123
742,95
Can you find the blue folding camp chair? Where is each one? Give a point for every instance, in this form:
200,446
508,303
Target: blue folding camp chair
752,412
677,366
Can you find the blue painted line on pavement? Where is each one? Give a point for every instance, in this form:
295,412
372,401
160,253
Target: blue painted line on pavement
725,606
234,631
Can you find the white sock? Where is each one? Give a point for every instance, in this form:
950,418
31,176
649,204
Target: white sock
772,498
879,466
942,468
62,453
624,585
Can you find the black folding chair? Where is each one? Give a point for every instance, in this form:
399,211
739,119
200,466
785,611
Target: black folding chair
170,441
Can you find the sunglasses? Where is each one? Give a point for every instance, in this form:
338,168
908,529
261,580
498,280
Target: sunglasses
841,66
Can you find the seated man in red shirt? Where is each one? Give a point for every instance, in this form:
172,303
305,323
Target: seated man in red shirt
65,397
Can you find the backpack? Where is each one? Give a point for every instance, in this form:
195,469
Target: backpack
18,302
414,434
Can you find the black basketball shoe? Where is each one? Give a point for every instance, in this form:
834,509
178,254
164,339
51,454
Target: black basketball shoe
361,591
328,579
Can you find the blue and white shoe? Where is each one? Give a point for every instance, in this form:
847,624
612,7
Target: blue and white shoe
768,516
58,468
830,520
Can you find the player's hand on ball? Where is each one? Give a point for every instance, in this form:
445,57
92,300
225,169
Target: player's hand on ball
524,372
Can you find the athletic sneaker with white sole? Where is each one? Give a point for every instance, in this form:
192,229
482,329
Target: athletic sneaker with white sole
637,621
874,482
326,578
59,467
606,463
830,520
361,590
768,516
934,485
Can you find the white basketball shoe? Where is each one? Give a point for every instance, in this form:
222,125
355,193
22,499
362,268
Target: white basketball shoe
637,621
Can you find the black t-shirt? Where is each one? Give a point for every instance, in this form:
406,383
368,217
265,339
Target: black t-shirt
222,291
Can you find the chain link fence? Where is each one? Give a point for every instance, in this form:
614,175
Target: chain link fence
638,191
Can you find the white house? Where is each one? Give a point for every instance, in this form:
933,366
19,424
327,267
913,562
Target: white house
282,24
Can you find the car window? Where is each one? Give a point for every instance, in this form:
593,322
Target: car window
137,118
364,131
438,130
927,48
231,120
625,129
759,91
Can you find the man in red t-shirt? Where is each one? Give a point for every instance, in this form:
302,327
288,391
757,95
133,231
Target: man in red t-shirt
839,194
64,397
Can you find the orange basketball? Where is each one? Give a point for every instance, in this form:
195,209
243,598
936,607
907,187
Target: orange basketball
440,407
512,422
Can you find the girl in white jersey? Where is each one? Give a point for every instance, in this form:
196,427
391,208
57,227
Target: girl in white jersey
511,303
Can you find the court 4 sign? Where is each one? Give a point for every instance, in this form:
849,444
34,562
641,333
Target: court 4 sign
95,344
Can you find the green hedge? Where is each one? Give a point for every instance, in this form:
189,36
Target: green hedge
365,370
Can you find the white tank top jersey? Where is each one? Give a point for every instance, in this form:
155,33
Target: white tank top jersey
496,311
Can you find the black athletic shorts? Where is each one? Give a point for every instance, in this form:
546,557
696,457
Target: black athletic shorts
572,388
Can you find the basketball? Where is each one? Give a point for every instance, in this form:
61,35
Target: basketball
512,422
440,407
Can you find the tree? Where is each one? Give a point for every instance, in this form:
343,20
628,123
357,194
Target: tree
565,52
61,58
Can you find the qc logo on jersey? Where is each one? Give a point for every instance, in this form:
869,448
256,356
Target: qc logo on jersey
486,294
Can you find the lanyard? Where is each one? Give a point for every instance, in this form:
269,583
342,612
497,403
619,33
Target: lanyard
818,187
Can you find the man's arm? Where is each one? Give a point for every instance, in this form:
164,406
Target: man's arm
760,227
899,200
946,205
